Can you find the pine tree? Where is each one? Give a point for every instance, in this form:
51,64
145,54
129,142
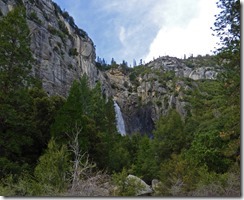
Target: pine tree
227,28
87,110
168,135
216,104
53,168
15,54
16,123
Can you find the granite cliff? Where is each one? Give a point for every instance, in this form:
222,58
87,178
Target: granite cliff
148,91
63,52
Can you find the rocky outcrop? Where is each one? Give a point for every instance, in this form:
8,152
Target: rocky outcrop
148,92
182,70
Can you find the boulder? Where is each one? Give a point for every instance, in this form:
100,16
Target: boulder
140,186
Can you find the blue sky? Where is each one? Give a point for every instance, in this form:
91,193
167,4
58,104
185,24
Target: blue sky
145,29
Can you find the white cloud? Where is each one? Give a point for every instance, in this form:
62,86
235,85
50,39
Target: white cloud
173,12
147,29
195,37
135,29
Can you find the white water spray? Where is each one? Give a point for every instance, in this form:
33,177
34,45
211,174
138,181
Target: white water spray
119,120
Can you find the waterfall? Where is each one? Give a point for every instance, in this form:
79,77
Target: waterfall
119,120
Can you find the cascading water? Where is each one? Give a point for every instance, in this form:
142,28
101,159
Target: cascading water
119,119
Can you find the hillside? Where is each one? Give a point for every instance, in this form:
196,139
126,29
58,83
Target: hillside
74,126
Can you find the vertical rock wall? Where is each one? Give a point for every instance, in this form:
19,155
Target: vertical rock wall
61,50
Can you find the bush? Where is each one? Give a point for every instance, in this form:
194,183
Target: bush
34,17
73,52
126,84
53,168
126,186
62,27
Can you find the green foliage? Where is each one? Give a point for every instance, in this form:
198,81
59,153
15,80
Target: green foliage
9,186
25,128
200,61
33,16
85,108
26,112
63,27
168,135
16,123
15,54
44,111
126,186
50,177
140,69
118,153
206,150
227,26
73,52
181,177
168,75
54,31
53,167
73,113
177,176
212,137
145,164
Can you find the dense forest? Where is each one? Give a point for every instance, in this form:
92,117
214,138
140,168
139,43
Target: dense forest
55,146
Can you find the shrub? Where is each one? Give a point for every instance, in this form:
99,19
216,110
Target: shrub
52,168
34,17
126,186
73,52
159,103
126,84
62,27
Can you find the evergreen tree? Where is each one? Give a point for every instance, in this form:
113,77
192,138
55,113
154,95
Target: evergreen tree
86,109
227,27
76,112
216,142
16,123
44,110
15,54
53,168
26,112
168,135
145,165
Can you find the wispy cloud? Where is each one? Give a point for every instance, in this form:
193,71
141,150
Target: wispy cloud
135,29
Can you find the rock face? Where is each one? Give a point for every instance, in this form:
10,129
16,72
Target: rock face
61,50
148,92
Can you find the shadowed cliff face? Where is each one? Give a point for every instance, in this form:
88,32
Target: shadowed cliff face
63,52
140,120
